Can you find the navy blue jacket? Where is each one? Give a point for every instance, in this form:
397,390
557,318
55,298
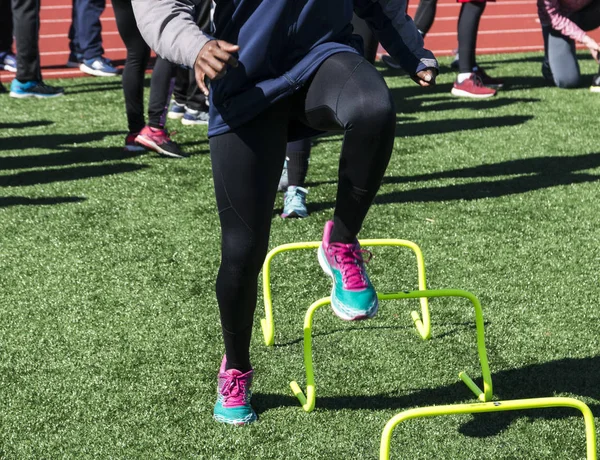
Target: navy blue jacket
282,43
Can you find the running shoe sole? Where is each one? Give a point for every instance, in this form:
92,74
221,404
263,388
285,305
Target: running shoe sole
39,96
174,115
8,68
595,89
134,148
340,314
96,73
185,121
460,92
237,422
154,146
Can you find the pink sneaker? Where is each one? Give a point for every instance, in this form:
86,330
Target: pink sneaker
159,141
353,297
472,87
233,400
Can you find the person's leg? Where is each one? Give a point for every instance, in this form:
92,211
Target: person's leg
294,175
196,109
471,80
6,27
348,94
246,164
562,59
468,26
8,60
75,55
161,88
297,156
180,92
425,15
89,28
155,136
370,43
26,17
138,53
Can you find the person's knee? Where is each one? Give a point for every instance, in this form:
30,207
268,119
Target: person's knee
567,81
376,113
243,252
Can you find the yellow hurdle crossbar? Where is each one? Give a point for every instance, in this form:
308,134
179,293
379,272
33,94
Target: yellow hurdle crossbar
423,324
308,400
497,406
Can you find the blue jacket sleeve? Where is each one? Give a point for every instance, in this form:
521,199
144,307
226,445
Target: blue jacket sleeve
397,32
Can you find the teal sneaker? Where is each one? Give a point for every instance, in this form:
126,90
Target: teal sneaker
353,297
294,202
233,400
37,89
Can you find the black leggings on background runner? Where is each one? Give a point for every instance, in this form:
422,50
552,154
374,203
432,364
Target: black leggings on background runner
468,26
138,54
346,94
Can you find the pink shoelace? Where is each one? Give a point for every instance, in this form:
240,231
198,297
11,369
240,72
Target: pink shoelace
234,388
350,260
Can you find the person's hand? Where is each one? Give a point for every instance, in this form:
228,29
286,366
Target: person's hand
212,62
592,46
425,77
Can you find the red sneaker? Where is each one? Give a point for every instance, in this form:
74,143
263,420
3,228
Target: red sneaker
472,87
487,80
159,141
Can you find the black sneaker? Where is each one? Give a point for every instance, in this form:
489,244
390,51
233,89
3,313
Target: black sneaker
37,89
595,88
2,89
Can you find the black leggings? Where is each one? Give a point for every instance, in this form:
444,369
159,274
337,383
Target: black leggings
138,54
468,26
425,15
346,94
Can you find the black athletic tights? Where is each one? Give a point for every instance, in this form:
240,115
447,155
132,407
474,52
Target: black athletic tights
346,94
138,54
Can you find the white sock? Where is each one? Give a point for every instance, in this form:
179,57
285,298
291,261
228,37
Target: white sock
462,77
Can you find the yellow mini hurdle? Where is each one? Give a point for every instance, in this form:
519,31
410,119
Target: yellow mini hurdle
268,326
308,400
497,406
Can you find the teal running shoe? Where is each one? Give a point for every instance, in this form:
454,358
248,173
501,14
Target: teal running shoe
233,400
353,297
37,89
294,202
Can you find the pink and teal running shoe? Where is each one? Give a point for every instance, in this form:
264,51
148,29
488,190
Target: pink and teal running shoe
353,297
233,400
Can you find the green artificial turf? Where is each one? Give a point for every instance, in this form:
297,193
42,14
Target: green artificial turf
109,329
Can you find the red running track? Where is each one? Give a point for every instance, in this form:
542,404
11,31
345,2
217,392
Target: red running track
507,26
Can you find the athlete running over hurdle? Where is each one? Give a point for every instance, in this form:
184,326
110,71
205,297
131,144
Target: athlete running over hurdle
283,70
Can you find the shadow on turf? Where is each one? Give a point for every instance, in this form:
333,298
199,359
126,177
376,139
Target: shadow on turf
456,327
65,151
8,201
574,377
26,124
531,174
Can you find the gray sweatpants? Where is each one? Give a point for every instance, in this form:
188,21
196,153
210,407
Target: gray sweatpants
559,50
